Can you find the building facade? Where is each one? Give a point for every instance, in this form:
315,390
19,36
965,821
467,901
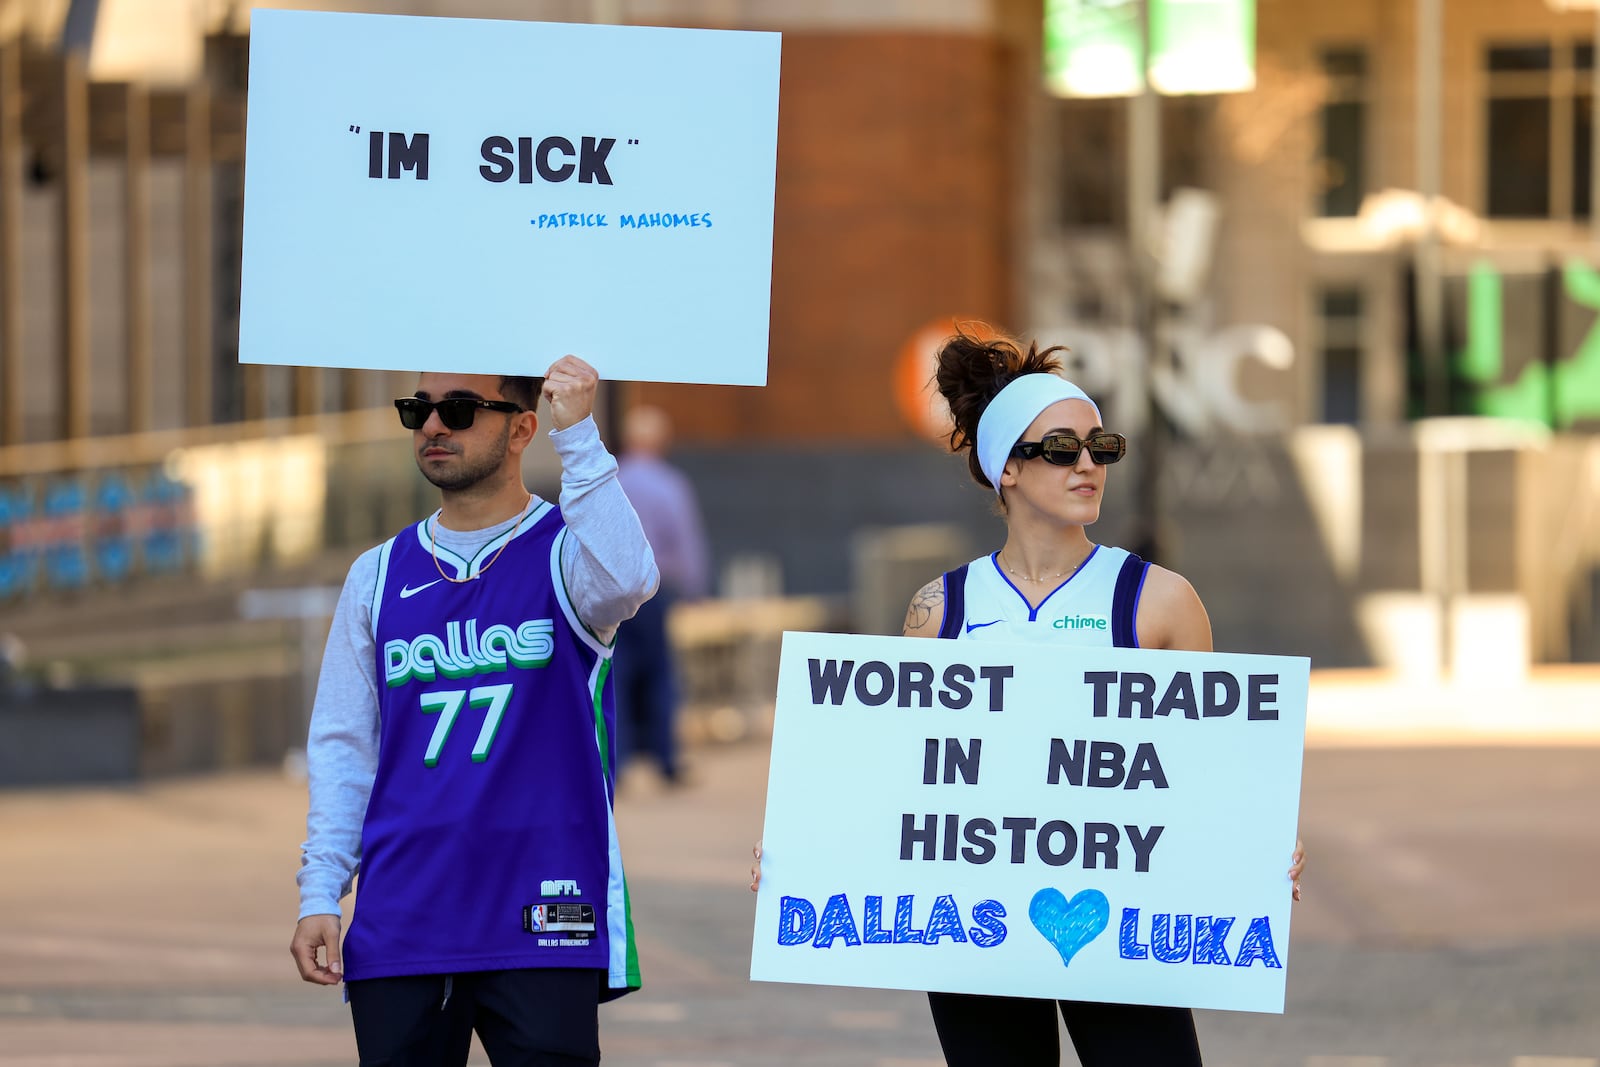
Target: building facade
1314,310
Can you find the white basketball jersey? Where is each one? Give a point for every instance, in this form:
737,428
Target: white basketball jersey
1095,606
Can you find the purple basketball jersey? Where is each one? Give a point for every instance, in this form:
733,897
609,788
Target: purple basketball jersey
489,841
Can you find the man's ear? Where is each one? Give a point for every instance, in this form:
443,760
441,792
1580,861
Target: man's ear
525,426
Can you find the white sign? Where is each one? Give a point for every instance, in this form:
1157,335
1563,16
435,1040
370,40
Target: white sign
487,196
1028,820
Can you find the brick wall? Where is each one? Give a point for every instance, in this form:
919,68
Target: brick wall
893,209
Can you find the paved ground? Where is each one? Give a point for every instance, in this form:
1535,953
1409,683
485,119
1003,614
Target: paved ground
1451,915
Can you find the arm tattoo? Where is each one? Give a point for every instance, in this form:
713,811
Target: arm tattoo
928,601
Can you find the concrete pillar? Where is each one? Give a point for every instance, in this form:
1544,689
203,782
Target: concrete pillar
198,350
10,242
1429,274
307,390
73,294
137,310
350,390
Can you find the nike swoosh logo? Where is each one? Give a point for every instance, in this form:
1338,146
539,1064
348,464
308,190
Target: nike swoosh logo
971,626
410,592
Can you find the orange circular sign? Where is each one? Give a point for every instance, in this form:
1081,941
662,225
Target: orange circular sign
915,395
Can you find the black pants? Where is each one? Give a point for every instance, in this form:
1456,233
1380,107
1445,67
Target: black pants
645,678
979,1031
525,1018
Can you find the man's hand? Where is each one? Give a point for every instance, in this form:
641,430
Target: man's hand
569,387
310,934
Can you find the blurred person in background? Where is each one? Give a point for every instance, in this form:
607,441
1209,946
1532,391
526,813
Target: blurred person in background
12,656
492,896
644,667
1038,441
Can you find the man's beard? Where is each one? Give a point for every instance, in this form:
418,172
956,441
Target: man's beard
470,474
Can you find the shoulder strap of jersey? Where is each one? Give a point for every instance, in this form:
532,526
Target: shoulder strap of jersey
1125,602
383,580
955,601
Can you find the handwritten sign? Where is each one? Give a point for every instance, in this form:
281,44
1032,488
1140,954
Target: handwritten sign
486,196
1027,820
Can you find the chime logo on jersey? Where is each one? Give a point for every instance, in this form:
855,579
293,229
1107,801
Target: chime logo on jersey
462,652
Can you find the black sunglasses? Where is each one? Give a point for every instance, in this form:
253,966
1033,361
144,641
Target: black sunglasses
1062,449
456,412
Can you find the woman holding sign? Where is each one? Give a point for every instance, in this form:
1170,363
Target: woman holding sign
1039,442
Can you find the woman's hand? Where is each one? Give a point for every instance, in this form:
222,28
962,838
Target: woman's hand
755,869
1297,863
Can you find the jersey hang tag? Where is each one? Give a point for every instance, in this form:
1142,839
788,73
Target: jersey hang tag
573,919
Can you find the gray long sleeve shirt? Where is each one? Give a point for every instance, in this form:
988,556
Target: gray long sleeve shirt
609,570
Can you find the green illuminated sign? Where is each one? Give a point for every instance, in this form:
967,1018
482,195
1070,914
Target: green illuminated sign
1557,394
1203,46
1091,47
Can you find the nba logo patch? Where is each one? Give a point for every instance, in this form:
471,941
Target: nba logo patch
575,920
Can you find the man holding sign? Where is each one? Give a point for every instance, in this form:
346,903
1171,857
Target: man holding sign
460,751
1039,442
423,189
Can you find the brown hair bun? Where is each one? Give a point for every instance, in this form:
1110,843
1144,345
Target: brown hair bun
971,372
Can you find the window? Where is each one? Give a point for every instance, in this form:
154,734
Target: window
1339,313
1537,130
1093,154
1093,149
1342,167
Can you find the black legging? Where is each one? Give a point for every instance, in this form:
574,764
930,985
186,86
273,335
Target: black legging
977,1031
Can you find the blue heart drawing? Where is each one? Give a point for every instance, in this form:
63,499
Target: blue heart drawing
1069,925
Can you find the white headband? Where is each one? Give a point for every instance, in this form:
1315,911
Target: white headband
1012,410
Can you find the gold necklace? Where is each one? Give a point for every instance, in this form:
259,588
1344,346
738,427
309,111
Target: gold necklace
433,547
1042,577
